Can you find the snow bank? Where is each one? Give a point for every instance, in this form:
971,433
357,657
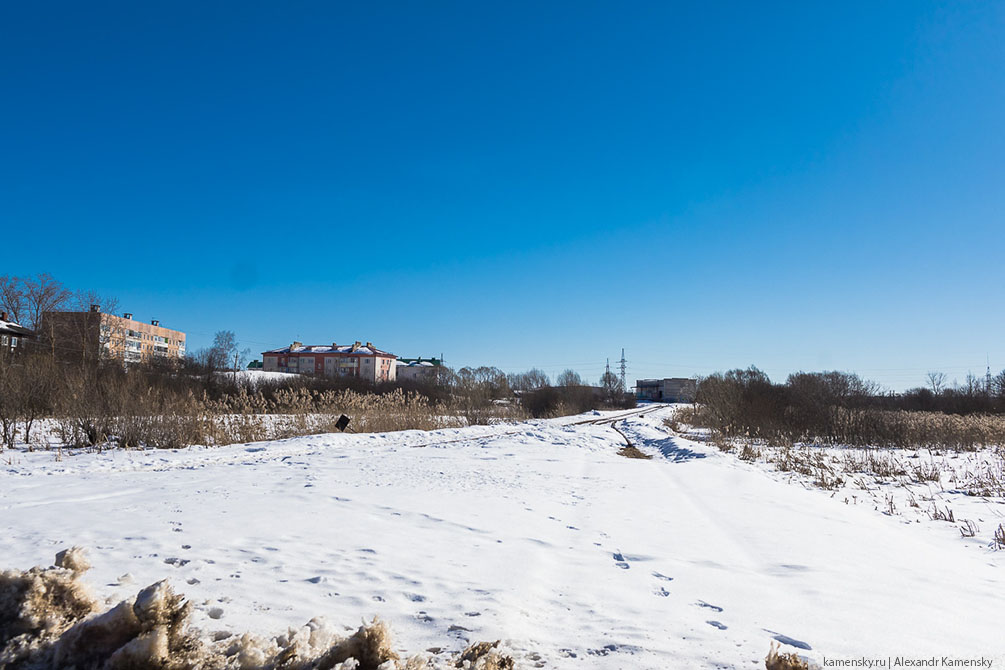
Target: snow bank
49,619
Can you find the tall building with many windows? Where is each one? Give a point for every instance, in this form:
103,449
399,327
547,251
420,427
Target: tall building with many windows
96,334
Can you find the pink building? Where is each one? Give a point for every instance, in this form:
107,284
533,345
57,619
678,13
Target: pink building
347,360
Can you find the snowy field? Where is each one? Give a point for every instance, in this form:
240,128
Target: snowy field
536,533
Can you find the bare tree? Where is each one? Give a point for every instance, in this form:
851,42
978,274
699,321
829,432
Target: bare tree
611,383
12,298
569,378
528,381
82,301
42,294
936,382
225,351
998,384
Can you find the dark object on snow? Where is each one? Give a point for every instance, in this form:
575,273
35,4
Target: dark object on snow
342,423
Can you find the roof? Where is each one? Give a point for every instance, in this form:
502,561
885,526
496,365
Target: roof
344,349
11,328
416,364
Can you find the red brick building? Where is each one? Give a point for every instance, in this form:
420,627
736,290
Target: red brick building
347,360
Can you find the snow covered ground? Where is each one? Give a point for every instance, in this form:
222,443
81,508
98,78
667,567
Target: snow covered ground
538,533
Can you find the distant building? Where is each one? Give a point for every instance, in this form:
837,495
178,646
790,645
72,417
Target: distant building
676,389
347,360
419,369
96,334
13,336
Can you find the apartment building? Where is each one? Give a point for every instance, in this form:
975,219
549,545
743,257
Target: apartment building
419,369
346,360
97,334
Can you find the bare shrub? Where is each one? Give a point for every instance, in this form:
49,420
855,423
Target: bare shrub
834,408
969,528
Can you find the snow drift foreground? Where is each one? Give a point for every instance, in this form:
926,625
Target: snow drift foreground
49,619
538,534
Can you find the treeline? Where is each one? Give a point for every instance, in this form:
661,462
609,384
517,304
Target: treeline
95,399
166,404
843,408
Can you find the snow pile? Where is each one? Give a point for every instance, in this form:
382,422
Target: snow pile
38,605
49,619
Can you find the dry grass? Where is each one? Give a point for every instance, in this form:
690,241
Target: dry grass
49,619
987,479
810,462
938,515
789,661
171,423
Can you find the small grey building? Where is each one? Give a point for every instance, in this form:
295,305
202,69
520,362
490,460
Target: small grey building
676,389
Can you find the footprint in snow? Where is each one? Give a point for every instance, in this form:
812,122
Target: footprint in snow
792,642
659,575
662,592
702,603
716,624
619,560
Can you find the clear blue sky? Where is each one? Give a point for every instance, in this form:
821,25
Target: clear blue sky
524,184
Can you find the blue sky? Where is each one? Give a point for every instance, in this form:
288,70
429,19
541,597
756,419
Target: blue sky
797,187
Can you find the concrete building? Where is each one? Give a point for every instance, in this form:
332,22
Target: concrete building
96,334
13,336
676,389
347,360
419,369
